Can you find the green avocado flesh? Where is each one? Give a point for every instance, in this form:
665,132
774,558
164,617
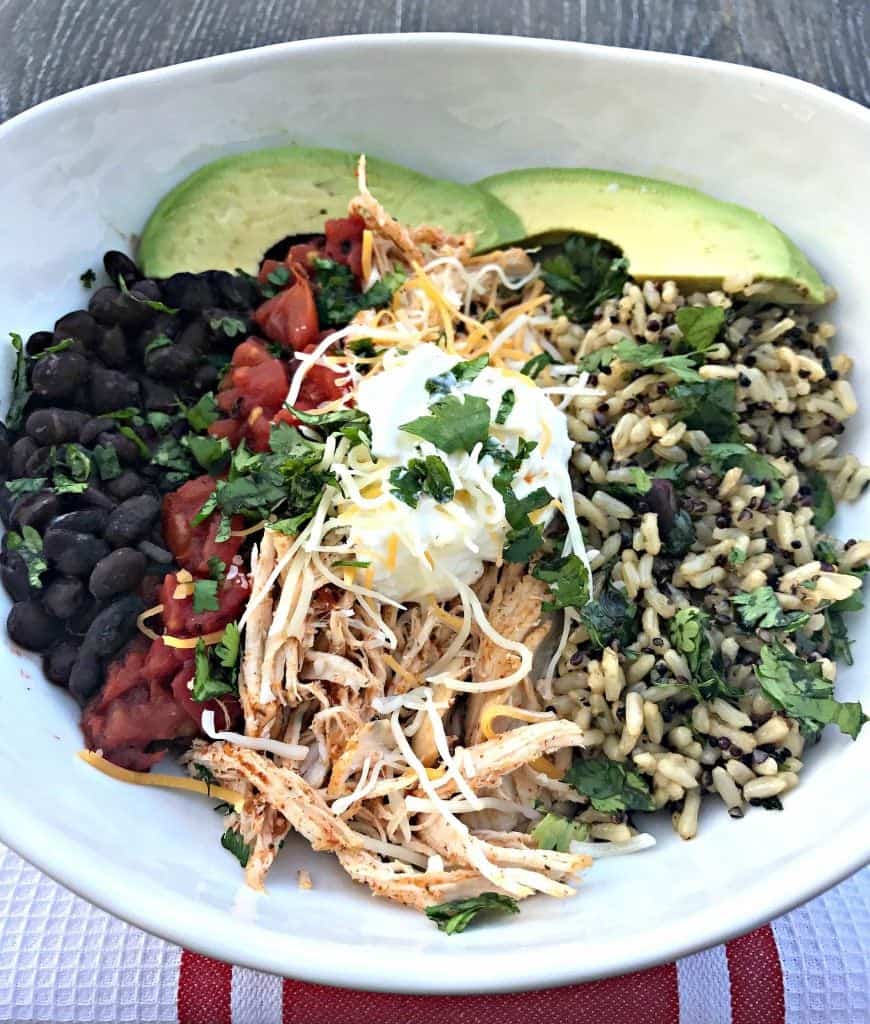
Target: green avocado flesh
667,232
228,213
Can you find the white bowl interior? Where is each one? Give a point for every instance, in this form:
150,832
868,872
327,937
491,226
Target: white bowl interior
80,175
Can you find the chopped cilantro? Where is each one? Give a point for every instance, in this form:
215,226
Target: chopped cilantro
227,650
338,298
161,341
760,609
350,423
232,840
130,433
737,556
610,786
25,485
708,405
217,568
505,406
700,325
461,373
28,544
822,499
610,617
210,452
802,692
568,579
106,461
87,278
205,597
428,476
208,682
681,535
61,346
553,832
597,360
689,635
456,915
203,413
533,367
364,348
652,356
584,274
20,391
351,563
454,424
229,326
728,454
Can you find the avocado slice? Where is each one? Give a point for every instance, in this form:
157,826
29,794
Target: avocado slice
667,232
229,212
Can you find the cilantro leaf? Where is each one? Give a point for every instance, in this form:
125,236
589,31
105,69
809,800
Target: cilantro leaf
210,452
454,425
203,413
568,579
364,348
428,475
217,568
351,423
708,405
689,635
25,485
610,617
227,651
802,692
229,326
339,300
597,360
553,832
106,461
760,609
756,468
456,915
652,356
87,278
28,544
461,373
700,325
533,366
208,682
822,499
20,390
584,274
609,785
232,840
505,406
205,596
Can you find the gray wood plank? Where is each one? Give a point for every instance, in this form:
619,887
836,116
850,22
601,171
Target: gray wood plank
52,46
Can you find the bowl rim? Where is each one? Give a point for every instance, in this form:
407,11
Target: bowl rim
314,960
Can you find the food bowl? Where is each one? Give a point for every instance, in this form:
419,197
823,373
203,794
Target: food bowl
81,173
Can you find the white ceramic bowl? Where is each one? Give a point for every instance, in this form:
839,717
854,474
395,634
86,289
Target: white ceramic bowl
79,175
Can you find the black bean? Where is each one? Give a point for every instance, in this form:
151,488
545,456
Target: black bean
64,597
20,453
39,342
117,573
132,520
112,348
79,623
171,362
5,507
94,427
111,390
92,497
73,553
35,509
31,627
85,520
232,289
40,462
78,324
57,664
113,626
195,336
13,573
206,378
85,677
127,485
147,289
111,307
59,374
155,552
119,265
55,426
158,397
662,500
126,449
190,292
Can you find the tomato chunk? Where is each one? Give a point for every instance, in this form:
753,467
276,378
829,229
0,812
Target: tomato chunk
252,392
290,318
192,545
179,617
344,242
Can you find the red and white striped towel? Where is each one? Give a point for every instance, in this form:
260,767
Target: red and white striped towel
62,960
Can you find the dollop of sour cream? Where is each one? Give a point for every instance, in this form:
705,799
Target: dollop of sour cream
418,553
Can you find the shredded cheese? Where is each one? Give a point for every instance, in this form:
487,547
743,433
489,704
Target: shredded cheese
184,643
147,614
366,255
400,670
229,796
493,711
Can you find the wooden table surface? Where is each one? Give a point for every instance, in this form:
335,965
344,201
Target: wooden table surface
52,46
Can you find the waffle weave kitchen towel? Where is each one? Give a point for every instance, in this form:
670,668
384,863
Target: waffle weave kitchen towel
62,960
